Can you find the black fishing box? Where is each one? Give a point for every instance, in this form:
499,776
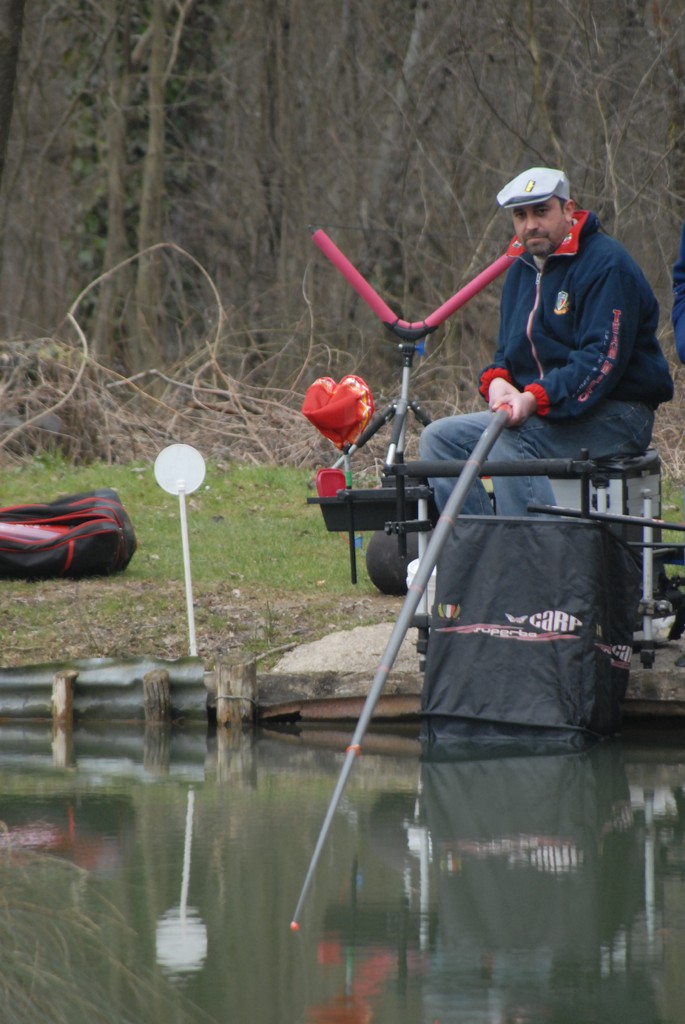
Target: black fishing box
532,624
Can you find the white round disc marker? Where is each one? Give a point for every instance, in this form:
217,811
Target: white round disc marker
179,469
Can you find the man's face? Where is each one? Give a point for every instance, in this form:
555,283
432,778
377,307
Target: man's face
542,227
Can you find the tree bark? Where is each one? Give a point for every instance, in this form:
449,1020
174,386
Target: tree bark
11,22
113,308
148,351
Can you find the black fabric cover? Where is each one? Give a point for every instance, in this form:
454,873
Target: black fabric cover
97,537
532,624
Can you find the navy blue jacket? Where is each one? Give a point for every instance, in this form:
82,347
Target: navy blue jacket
678,311
582,330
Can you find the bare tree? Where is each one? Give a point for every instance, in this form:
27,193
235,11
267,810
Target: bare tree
115,321
228,128
11,21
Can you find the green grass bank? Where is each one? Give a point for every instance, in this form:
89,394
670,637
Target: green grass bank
265,571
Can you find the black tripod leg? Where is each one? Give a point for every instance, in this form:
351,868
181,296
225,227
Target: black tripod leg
378,420
401,513
396,445
420,413
351,536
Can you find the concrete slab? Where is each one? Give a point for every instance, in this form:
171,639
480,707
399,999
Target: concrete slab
350,651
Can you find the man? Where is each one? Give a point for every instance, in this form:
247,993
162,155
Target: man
678,311
577,364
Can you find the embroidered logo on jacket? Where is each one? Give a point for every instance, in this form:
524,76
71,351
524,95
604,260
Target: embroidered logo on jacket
562,304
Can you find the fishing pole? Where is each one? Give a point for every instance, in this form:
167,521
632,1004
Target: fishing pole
443,527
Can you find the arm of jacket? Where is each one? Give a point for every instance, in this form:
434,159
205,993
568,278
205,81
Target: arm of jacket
608,318
678,310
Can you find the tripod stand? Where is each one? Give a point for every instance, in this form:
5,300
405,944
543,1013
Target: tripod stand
411,335
395,411
363,507
371,509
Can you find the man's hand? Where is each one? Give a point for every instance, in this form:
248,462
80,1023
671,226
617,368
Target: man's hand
523,404
500,392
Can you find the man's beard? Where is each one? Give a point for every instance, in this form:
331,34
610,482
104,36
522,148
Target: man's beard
539,245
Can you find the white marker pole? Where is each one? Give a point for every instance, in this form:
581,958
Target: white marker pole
180,469
186,567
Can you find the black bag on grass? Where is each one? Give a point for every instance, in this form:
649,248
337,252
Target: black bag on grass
79,535
532,625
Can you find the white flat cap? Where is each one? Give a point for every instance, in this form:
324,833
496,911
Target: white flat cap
534,186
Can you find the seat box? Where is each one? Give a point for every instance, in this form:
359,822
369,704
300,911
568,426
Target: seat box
618,488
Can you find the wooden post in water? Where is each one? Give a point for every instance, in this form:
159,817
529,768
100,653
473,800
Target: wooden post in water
236,690
156,696
157,748
63,717
157,704
63,697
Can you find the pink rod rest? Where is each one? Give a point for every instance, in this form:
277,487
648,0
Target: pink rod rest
469,290
352,275
383,311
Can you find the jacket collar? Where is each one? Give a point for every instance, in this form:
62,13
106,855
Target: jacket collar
569,245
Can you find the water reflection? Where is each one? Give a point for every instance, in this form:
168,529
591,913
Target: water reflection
477,882
538,873
181,932
532,883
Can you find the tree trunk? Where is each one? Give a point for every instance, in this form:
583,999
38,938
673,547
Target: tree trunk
113,309
11,21
148,351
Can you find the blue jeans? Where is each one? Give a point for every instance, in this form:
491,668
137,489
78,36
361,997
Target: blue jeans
612,429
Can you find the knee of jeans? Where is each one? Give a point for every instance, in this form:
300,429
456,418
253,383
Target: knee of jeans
426,441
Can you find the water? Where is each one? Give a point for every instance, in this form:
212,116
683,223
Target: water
153,877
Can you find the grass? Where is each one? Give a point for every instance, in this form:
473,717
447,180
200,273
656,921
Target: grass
265,571
246,525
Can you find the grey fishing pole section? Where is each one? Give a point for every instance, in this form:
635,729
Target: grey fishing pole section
455,503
